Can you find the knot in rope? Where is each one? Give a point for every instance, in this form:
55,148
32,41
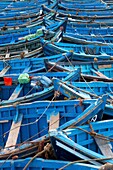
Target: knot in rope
93,133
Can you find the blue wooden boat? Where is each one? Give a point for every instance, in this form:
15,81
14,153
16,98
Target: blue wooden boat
15,38
105,12
85,18
18,4
17,50
40,88
21,9
38,117
17,34
105,38
32,43
85,91
94,88
90,31
19,19
93,141
27,27
17,66
81,53
22,19
102,69
10,27
86,6
69,38
20,46
81,1
22,54
44,164
90,49
83,77
14,13
80,5
74,10
69,4
28,148
85,12
89,27
10,5
98,89
89,23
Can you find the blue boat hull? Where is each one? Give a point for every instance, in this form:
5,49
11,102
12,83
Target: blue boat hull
41,164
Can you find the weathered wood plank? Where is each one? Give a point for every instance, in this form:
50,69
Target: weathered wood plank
16,92
2,73
99,73
105,147
54,121
105,66
13,134
18,89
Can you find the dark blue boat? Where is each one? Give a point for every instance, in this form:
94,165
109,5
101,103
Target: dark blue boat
12,20
30,44
40,88
81,52
88,142
102,69
31,31
87,91
17,66
37,118
95,18
28,146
